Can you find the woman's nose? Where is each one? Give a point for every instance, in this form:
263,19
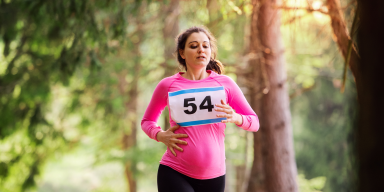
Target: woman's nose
200,49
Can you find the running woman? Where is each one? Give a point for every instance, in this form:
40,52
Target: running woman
200,101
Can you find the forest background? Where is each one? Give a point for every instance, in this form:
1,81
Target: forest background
76,77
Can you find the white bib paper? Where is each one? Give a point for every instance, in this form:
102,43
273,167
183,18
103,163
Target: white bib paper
190,107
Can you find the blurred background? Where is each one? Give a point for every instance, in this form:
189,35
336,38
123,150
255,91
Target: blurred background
77,75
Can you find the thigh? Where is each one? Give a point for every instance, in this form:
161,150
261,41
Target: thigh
210,185
169,180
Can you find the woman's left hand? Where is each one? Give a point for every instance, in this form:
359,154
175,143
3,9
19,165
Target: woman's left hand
231,115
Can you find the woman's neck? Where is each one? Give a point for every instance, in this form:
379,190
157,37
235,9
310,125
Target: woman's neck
196,74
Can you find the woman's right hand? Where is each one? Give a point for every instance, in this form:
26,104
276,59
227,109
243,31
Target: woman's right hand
169,138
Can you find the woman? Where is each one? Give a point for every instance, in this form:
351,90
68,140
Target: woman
200,102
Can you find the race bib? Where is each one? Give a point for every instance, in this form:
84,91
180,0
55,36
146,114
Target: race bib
190,107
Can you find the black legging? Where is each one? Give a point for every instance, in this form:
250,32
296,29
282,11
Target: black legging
169,180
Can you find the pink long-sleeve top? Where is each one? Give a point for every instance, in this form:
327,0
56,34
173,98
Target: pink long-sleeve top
204,155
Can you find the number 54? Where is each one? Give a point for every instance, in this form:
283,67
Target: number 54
205,104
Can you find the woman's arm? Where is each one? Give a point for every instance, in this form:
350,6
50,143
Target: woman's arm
154,109
152,114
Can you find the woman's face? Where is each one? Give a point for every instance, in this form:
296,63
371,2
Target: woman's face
197,51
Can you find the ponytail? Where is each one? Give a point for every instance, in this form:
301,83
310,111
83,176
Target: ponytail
216,66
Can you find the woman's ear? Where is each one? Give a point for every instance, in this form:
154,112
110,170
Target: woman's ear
181,52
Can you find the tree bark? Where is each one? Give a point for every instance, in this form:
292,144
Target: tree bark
257,175
213,8
240,177
129,90
340,31
274,168
170,32
129,139
370,132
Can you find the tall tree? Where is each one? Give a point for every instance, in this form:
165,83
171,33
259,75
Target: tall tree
370,132
343,38
170,31
274,168
132,91
366,70
213,7
129,139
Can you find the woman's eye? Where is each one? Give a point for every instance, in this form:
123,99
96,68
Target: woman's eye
195,46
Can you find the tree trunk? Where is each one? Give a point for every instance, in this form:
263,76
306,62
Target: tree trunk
370,132
215,17
340,31
170,31
240,176
274,168
255,85
129,139
129,90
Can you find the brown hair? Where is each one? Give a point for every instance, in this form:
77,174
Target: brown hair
214,65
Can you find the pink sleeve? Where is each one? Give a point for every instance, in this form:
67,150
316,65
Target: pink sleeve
238,102
154,109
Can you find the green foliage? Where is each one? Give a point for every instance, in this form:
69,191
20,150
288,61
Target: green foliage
323,123
322,117
43,43
106,100
312,185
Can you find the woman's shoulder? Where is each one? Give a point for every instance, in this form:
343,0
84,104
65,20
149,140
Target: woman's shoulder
167,81
223,78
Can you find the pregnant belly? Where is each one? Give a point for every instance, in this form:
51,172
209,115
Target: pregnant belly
205,147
